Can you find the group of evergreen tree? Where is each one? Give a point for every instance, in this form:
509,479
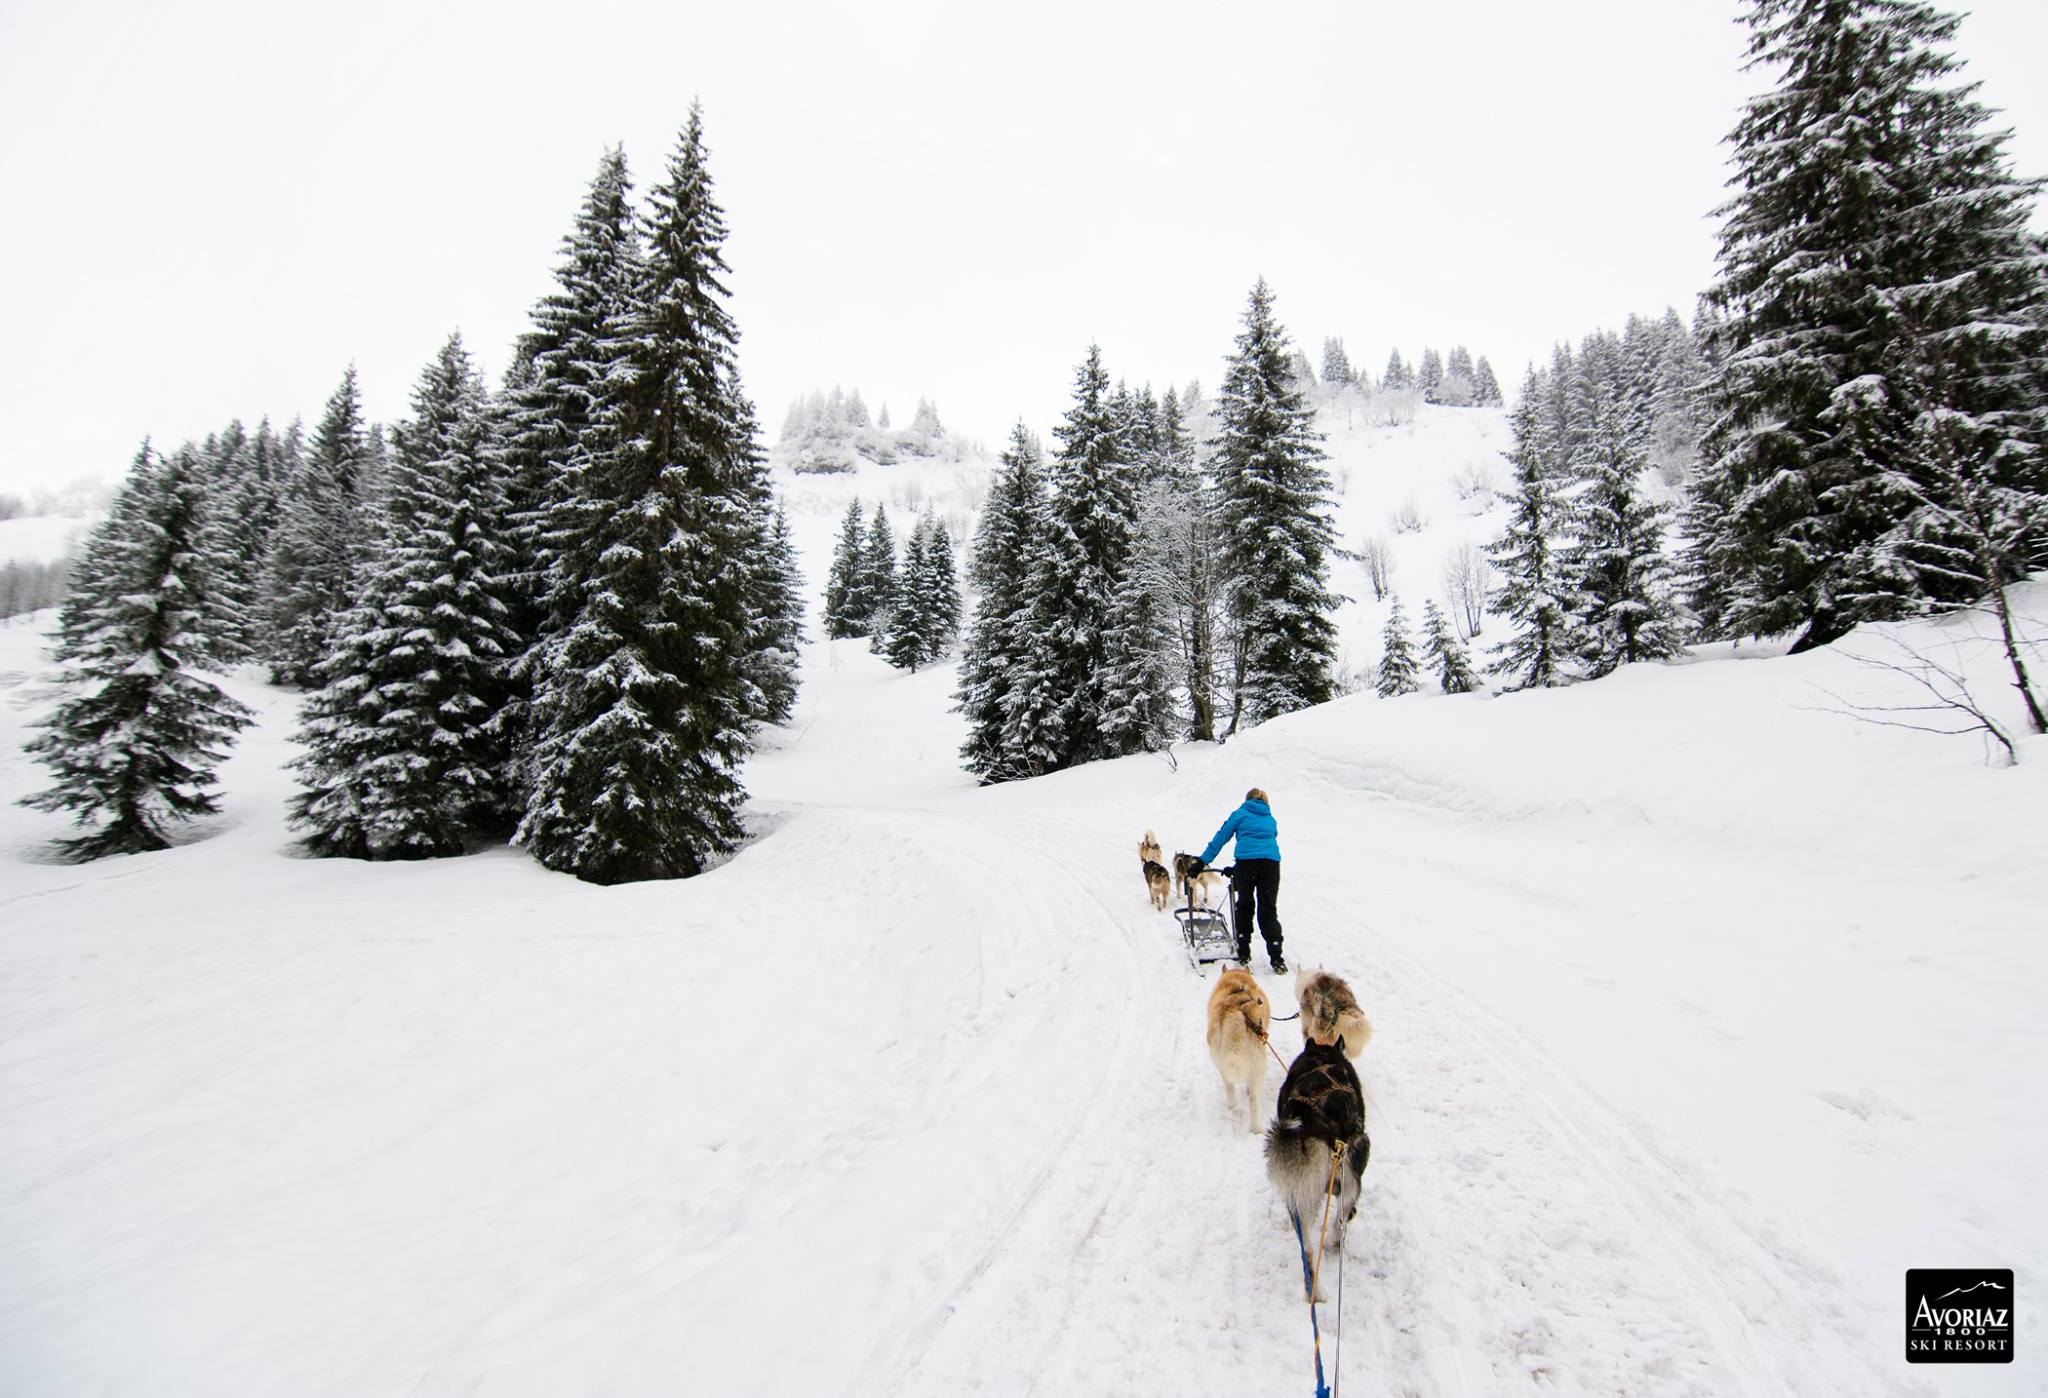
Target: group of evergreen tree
1586,578
1878,443
556,612
1127,594
827,434
911,611
1400,671
1459,382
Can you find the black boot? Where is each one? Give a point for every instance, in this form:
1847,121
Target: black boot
1279,963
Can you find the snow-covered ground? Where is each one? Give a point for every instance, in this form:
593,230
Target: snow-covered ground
42,538
1702,1012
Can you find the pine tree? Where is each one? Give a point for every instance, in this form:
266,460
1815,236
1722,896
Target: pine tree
558,427
842,585
136,745
1877,250
999,642
1398,375
405,743
1534,595
648,698
775,606
942,599
328,512
1089,517
1178,557
236,538
1429,375
874,600
1275,505
1485,387
1618,566
908,642
1397,669
1337,369
1446,653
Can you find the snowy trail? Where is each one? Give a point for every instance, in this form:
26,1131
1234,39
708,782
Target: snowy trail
911,1096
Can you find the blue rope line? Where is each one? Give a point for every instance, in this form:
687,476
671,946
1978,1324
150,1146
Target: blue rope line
1308,1281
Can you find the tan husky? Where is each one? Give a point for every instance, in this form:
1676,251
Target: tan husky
1329,1011
1239,1016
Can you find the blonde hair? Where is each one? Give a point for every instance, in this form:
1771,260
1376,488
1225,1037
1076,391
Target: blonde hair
1255,794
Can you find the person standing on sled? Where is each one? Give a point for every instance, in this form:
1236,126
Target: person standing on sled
1256,880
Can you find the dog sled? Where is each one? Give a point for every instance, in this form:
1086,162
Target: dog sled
1209,934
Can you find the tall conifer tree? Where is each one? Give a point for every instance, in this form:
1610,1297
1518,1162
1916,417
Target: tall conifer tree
648,699
135,746
1274,502
1876,268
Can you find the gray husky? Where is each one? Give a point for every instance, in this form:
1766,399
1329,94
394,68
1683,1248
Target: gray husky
1321,1105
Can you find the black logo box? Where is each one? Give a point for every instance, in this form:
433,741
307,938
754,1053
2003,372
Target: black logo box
1959,1315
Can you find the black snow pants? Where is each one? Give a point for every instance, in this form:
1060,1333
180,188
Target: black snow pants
1257,883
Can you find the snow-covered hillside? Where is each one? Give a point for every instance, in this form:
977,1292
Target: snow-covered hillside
1701,1012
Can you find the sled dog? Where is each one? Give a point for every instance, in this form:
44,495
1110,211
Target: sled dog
1183,867
1149,851
1158,884
1321,1104
1238,1018
1208,889
1329,1011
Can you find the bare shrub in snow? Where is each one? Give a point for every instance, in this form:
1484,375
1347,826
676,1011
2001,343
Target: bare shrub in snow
1473,481
1379,565
1407,519
1468,581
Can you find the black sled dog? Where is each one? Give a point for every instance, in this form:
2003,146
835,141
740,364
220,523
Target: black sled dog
1321,1106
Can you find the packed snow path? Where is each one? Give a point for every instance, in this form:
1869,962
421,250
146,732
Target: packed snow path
912,1097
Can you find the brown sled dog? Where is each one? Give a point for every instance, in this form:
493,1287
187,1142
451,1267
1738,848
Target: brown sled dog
1321,1106
1158,885
1239,1018
1329,1011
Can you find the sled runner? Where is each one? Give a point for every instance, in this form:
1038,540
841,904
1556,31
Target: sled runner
1207,932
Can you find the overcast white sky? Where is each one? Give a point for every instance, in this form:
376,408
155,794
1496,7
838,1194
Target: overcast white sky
212,208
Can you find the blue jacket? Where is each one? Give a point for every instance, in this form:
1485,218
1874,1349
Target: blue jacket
1253,827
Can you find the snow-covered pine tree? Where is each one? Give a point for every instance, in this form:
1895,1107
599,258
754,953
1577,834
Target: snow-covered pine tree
907,644
1620,572
237,538
1877,228
775,606
648,700
557,424
1398,375
1429,374
1534,595
405,748
136,744
1179,557
943,597
999,642
321,537
1485,387
842,584
1274,501
1397,673
875,599
1337,370
1090,517
101,573
1445,653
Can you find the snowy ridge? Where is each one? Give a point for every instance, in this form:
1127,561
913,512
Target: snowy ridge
1682,986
